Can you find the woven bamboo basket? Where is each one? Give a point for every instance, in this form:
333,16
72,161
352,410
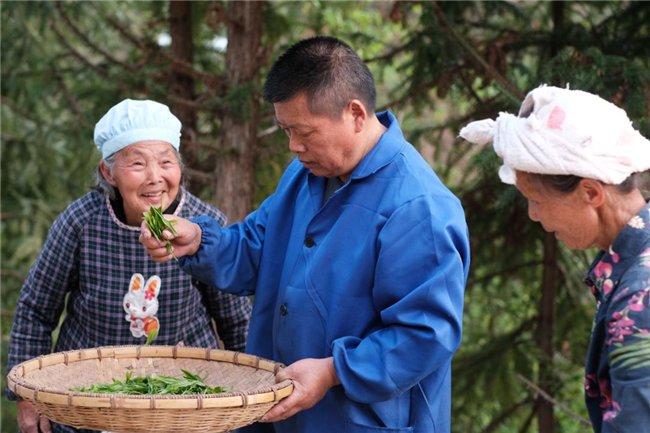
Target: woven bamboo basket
46,381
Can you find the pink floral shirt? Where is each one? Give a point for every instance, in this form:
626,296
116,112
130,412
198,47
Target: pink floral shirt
617,381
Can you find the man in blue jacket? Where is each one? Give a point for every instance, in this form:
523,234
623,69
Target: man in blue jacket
358,261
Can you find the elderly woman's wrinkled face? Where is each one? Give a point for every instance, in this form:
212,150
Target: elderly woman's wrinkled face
146,173
573,221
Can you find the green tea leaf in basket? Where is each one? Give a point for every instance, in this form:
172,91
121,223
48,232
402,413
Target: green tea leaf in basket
157,223
190,383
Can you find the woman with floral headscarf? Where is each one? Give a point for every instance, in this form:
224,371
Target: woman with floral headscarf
578,161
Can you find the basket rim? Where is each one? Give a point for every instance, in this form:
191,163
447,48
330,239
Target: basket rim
26,390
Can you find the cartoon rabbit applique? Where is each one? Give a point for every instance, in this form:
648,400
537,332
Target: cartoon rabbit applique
141,306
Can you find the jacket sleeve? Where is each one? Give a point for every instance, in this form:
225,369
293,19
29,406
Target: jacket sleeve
42,297
627,409
231,313
419,283
229,257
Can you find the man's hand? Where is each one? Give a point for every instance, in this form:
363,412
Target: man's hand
186,242
29,420
312,378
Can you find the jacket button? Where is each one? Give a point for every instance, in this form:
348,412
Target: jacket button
309,242
283,310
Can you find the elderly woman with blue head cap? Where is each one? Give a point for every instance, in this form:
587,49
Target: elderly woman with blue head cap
116,294
579,162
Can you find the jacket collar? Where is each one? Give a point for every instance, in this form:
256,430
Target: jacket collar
390,144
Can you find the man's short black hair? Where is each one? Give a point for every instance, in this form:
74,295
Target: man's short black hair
327,70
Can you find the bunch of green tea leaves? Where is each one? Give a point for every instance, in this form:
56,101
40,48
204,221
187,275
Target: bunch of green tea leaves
157,224
191,383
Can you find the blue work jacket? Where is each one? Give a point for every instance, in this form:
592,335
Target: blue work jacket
374,277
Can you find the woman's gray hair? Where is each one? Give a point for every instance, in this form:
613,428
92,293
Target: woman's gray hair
109,190
568,183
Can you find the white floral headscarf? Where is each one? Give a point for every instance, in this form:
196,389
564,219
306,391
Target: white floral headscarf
568,132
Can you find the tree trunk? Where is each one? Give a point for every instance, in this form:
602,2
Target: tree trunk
182,85
235,172
550,274
544,334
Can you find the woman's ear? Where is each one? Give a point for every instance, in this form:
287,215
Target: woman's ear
592,192
103,168
359,114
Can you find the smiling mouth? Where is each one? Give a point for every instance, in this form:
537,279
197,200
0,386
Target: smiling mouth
153,195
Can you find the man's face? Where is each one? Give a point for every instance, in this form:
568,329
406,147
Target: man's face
326,146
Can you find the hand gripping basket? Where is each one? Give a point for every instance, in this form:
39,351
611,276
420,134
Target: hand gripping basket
46,381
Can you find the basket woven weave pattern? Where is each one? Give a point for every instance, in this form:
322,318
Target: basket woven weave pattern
46,381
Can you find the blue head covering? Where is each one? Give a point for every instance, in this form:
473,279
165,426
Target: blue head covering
131,121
